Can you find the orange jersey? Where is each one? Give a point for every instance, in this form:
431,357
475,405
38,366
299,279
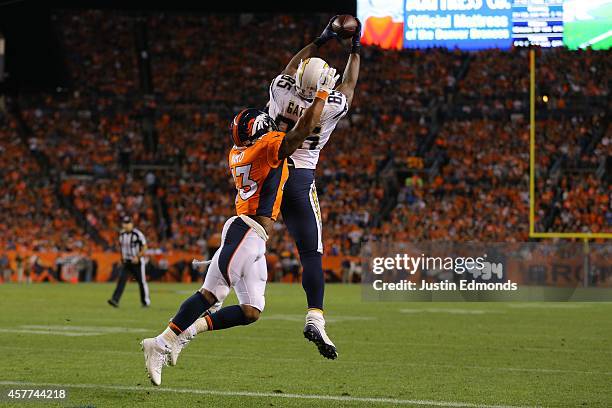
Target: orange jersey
259,176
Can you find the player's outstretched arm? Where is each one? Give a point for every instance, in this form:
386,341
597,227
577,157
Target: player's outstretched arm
307,122
311,49
351,72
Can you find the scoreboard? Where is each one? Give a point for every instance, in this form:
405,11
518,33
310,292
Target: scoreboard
537,22
468,25
482,24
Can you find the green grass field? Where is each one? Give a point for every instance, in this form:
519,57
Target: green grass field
409,354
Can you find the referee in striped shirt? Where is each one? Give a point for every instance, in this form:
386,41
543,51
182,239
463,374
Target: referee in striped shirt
133,245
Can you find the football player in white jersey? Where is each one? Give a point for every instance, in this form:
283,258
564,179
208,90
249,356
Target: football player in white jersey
291,93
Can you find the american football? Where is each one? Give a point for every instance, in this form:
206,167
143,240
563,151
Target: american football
345,25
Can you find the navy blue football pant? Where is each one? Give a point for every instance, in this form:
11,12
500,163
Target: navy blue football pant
302,216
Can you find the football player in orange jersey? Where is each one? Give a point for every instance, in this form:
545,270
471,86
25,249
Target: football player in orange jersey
258,165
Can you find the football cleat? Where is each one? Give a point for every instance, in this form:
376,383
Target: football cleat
113,302
314,331
176,349
184,338
156,356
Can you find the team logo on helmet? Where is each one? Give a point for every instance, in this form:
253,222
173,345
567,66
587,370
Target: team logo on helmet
259,124
249,125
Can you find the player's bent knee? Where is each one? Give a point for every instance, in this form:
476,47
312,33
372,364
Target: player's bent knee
251,314
209,296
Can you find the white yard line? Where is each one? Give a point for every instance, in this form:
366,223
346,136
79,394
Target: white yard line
90,329
258,394
56,333
72,331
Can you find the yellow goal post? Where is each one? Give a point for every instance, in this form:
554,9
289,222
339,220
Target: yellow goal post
532,160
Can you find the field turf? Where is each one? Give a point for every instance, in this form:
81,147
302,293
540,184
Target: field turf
391,354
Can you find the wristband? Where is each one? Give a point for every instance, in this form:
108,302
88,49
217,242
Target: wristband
321,94
356,49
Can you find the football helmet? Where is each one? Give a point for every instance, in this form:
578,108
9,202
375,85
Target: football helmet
249,125
307,76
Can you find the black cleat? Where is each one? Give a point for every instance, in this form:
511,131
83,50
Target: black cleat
113,302
326,348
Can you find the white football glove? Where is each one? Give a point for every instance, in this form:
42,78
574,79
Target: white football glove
328,79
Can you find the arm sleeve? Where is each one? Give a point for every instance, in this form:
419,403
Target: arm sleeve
272,146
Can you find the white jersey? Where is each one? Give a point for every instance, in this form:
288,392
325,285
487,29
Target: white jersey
286,107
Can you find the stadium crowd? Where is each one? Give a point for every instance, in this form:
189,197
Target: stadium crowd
178,187
498,81
481,189
30,216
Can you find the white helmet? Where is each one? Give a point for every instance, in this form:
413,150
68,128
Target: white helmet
307,76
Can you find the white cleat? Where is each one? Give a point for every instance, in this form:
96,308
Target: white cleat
156,356
314,331
176,349
184,338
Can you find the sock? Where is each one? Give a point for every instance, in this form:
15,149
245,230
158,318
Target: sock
201,325
226,317
167,338
190,310
313,280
